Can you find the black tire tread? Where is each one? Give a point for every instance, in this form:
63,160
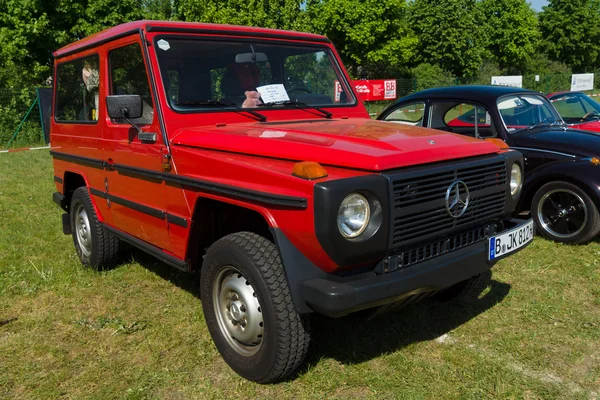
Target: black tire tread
106,250
593,216
294,329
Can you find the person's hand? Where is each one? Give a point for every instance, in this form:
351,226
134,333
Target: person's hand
252,100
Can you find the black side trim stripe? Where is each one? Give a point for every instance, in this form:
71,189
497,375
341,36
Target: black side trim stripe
98,193
215,188
150,249
98,43
205,186
154,212
175,220
224,32
94,162
58,179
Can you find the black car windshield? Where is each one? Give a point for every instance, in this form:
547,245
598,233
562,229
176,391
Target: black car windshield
576,107
200,75
526,111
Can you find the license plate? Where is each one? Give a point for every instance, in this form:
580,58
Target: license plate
510,241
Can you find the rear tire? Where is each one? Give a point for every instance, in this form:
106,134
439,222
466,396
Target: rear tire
565,213
95,246
248,308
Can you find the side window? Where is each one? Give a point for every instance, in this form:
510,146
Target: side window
468,119
410,114
77,84
128,76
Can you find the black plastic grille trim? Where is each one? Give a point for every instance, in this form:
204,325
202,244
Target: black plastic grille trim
418,211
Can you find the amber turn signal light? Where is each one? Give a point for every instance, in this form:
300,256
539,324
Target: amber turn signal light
595,160
498,142
309,170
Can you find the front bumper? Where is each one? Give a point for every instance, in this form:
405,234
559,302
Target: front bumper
337,296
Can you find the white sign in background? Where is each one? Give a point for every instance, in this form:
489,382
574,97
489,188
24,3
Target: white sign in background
582,81
509,80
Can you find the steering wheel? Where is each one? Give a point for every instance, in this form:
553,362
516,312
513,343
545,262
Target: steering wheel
299,89
591,114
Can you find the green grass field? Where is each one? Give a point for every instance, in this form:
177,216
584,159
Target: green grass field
138,331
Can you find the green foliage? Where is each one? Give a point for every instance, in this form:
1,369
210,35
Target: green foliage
554,75
450,34
571,33
372,33
512,32
282,14
431,75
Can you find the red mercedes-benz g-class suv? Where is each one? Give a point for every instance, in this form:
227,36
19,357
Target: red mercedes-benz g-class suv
244,154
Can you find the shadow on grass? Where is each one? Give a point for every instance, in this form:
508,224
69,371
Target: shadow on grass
355,338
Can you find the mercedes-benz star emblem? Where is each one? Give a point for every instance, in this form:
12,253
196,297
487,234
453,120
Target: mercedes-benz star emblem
457,199
431,141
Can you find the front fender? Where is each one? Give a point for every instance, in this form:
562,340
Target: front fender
578,172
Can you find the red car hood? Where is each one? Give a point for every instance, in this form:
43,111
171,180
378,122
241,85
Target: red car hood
593,126
353,143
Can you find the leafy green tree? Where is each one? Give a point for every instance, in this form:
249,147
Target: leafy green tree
512,32
571,33
372,34
427,76
281,14
450,34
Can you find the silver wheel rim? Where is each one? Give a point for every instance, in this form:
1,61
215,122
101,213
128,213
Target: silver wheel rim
238,311
82,230
562,213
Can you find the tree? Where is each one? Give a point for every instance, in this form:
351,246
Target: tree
450,33
571,33
512,32
30,30
371,34
281,14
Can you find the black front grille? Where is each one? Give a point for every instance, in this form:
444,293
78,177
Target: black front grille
440,247
418,207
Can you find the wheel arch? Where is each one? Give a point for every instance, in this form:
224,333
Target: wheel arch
213,219
71,181
535,184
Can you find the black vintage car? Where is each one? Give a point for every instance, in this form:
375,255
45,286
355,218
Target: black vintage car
562,171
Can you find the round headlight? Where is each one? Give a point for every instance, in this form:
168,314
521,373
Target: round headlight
516,179
353,215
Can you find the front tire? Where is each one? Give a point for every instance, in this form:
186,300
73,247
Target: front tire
565,213
96,247
248,308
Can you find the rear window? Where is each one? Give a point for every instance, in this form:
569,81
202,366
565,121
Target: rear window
77,90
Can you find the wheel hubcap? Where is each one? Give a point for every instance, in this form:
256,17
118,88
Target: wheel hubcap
82,230
562,213
238,311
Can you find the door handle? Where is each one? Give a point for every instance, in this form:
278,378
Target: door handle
147,137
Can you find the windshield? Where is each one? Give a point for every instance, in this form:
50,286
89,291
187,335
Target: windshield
201,74
526,111
576,107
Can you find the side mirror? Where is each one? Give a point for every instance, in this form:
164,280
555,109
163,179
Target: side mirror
124,106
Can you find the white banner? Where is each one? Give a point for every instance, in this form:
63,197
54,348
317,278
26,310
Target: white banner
511,80
582,81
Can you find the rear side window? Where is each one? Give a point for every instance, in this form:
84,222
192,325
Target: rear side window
410,114
77,96
128,76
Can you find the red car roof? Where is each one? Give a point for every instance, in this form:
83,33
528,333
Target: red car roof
175,26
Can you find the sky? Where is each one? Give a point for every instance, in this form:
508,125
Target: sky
537,4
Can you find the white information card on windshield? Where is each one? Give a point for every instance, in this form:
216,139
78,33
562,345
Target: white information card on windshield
273,93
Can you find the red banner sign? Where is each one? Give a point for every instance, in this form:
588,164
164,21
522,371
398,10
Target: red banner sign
376,89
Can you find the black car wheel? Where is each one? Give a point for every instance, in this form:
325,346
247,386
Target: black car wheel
96,247
565,213
248,308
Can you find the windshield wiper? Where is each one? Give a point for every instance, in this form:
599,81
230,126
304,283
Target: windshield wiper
300,105
216,103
